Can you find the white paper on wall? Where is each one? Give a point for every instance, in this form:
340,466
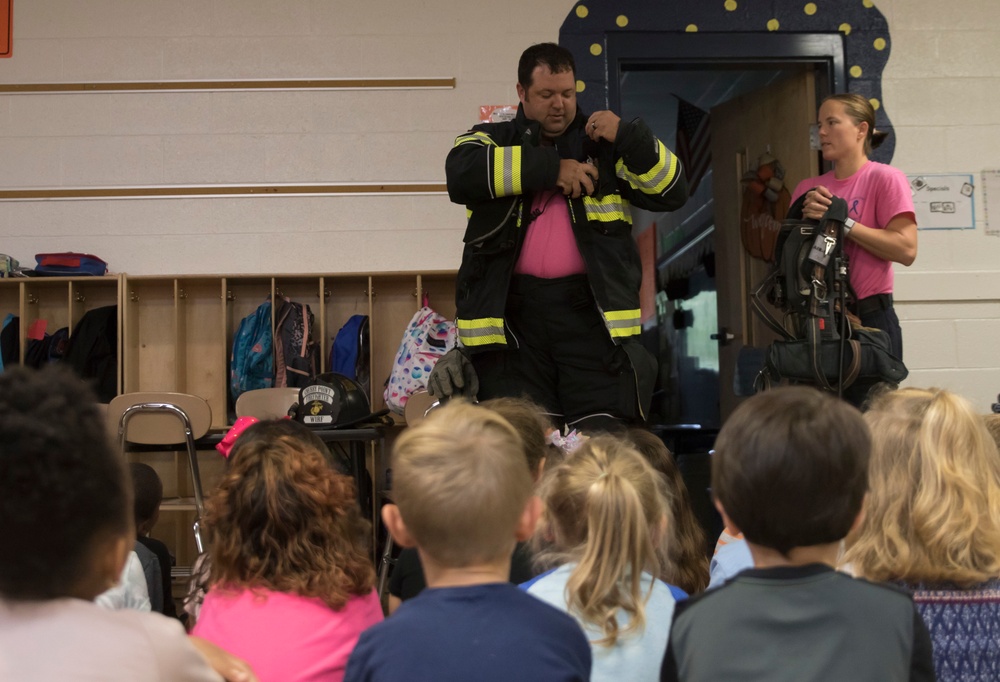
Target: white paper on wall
943,202
991,193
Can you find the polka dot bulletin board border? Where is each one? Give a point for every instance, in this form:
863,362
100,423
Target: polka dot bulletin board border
863,27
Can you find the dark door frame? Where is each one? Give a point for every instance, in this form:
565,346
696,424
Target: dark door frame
633,50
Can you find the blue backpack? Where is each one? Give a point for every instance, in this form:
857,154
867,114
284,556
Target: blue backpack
350,355
251,365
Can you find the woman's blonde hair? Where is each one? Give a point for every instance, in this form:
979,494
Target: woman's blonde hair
283,520
606,510
933,512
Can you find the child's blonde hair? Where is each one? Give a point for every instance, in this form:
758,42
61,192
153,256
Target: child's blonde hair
605,509
461,484
933,512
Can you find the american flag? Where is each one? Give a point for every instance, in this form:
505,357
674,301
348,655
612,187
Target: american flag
693,142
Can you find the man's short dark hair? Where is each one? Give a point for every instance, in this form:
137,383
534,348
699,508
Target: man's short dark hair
148,490
556,58
791,468
62,483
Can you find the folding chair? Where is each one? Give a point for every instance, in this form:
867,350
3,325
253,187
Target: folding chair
165,419
266,403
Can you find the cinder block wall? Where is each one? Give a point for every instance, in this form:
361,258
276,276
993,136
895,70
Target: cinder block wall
940,85
944,92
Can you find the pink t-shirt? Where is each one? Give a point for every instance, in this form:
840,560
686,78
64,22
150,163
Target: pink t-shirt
875,195
549,248
284,637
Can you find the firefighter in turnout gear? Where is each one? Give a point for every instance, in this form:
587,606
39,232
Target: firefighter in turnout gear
548,290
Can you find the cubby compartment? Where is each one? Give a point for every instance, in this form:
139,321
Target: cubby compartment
395,299
46,304
344,297
149,343
201,351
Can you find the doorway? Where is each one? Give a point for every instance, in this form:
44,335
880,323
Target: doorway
700,261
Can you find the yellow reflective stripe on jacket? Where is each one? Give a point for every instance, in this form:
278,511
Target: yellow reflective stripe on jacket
475,137
658,178
481,331
506,171
608,209
623,322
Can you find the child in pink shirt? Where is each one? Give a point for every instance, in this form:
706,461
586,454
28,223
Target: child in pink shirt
292,584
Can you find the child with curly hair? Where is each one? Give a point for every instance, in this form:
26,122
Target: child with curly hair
291,580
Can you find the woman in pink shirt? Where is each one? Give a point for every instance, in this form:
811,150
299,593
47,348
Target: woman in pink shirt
882,227
292,583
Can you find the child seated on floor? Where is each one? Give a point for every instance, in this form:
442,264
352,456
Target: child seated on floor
66,529
683,560
790,471
605,516
148,489
407,580
292,581
463,497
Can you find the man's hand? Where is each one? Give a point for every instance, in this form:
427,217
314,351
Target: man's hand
603,125
576,178
453,374
816,203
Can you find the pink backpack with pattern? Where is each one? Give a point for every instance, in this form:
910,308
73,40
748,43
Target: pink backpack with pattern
427,337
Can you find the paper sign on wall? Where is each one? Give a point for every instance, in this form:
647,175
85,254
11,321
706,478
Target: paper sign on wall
943,202
497,113
991,199
6,28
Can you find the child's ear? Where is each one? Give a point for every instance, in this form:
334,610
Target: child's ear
529,518
393,521
730,526
109,554
860,518
660,531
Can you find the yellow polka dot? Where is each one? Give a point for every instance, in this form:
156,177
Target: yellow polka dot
622,21
580,86
810,8
596,49
879,43
691,28
875,103
772,25
868,3
856,72
730,5
845,29
582,11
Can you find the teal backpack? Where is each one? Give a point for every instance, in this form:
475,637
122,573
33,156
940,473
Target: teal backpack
251,365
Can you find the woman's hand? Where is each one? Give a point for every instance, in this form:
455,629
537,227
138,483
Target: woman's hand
816,203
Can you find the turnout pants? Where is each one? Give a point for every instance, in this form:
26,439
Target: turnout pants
561,356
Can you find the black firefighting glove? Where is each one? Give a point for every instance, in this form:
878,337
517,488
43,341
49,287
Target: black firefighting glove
453,374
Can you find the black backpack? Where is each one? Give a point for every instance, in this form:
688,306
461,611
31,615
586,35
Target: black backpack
92,350
296,353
